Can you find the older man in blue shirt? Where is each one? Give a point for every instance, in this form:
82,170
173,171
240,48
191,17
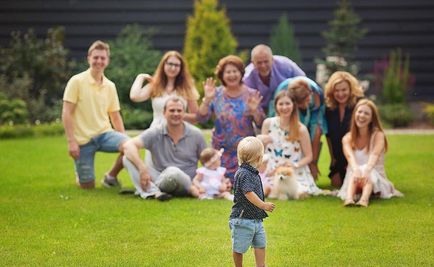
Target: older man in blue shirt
266,72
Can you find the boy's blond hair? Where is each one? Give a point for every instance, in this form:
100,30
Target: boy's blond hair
250,150
99,45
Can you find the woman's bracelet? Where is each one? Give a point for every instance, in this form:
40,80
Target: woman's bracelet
206,102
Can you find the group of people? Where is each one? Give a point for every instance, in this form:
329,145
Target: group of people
270,98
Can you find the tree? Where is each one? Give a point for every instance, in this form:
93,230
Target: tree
36,71
283,41
208,39
131,53
342,39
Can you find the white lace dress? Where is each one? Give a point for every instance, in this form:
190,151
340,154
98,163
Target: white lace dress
382,187
281,150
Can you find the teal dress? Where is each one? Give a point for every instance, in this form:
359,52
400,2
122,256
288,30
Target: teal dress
313,116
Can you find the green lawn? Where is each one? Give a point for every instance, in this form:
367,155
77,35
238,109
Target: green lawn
47,220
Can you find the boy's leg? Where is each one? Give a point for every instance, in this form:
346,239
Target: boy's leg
260,257
117,166
259,243
238,259
84,166
112,142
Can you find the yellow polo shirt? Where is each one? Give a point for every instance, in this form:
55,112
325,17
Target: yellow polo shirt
93,103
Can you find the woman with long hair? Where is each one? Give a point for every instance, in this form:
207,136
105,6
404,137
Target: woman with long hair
287,142
309,98
364,147
170,78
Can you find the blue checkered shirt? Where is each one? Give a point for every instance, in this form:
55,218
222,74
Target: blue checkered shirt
247,179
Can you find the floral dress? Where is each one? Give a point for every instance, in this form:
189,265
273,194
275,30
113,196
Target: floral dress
231,124
281,151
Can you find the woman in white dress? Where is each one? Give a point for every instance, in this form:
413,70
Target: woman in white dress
170,78
288,144
364,147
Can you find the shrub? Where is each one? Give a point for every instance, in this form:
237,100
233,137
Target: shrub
27,130
48,129
13,111
429,110
393,77
131,54
208,39
283,41
35,69
15,131
341,40
136,118
396,115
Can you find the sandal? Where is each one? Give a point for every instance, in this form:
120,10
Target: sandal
349,202
363,203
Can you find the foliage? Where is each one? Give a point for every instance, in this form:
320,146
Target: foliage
48,221
396,115
341,40
208,39
35,70
393,77
12,111
429,110
131,53
136,118
26,130
283,41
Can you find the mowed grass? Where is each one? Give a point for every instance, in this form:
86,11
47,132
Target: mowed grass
46,220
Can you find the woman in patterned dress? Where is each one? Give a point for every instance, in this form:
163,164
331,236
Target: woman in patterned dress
235,107
288,143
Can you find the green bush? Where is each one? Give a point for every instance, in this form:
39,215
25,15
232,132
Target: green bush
35,70
429,111
27,130
208,39
48,129
283,41
131,53
342,39
13,111
136,119
15,131
396,115
396,78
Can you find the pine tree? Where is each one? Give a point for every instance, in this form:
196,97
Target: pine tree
342,39
283,41
208,39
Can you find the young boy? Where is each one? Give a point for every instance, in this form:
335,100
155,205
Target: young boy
249,207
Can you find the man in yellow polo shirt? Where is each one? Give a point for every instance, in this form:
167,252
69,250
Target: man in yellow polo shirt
90,102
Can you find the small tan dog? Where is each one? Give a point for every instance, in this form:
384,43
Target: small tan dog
285,186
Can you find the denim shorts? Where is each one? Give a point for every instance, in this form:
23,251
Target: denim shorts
106,142
246,233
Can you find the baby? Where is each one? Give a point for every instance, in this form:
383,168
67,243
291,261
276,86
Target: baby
264,174
210,181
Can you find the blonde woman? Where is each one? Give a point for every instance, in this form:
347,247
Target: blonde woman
342,92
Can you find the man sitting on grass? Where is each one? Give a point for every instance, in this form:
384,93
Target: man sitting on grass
175,149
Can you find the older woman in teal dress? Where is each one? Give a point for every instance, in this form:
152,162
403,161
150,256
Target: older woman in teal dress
309,98
236,108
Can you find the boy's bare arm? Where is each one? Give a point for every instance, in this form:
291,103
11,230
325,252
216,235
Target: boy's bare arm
255,200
